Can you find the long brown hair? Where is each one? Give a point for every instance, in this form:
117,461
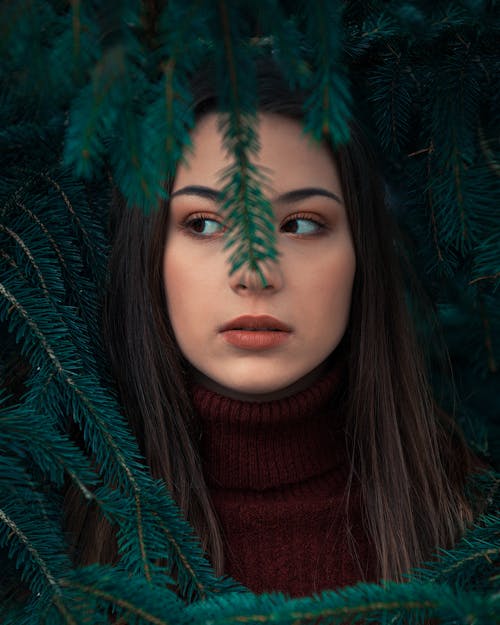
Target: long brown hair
409,459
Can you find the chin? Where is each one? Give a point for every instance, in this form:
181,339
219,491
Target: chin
256,381
259,387
255,387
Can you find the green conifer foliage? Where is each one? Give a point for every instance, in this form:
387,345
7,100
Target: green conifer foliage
96,96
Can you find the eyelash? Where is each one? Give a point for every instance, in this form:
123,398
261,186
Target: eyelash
316,220
187,224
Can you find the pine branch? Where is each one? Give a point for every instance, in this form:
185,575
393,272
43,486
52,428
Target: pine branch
393,95
285,41
169,119
474,559
36,544
248,214
368,603
118,462
53,454
100,588
328,108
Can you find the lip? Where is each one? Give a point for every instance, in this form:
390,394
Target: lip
255,340
255,333
253,323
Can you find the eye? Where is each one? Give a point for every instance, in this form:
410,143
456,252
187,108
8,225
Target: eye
203,226
303,225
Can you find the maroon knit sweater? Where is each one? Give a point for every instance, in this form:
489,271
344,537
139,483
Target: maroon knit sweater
277,473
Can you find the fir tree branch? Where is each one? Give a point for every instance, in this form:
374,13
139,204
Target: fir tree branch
195,575
63,610
118,453
28,254
200,587
46,232
248,214
327,110
45,563
492,277
70,208
77,25
180,59
117,601
82,397
33,326
367,602
21,536
488,153
488,343
477,552
103,587
430,202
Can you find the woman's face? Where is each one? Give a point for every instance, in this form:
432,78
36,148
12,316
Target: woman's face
308,292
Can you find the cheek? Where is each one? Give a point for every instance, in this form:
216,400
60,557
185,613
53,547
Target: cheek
172,278
190,285
177,280
329,290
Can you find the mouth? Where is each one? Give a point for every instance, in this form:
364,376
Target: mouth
260,323
246,329
256,333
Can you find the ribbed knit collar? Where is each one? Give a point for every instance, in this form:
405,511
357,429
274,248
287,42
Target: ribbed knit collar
263,445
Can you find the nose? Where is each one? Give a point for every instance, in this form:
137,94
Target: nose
268,278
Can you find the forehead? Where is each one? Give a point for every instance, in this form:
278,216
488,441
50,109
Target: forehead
288,157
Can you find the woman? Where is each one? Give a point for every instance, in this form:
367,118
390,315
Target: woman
290,418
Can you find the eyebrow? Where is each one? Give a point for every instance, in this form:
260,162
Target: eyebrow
297,195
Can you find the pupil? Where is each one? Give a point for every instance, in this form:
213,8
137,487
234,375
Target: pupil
198,225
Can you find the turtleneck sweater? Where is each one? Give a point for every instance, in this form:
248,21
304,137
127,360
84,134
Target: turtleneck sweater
277,473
